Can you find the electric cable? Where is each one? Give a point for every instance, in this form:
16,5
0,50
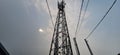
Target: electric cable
79,17
50,13
101,20
82,19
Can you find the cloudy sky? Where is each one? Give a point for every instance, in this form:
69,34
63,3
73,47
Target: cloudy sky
25,26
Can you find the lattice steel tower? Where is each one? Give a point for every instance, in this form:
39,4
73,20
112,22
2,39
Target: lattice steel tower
61,44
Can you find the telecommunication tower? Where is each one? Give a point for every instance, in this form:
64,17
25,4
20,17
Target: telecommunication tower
61,44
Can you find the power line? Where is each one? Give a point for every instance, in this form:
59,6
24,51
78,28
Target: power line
101,19
82,19
79,17
50,13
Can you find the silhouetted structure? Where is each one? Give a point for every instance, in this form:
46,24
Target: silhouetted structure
3,51
91,53
76,46
118,53
61,44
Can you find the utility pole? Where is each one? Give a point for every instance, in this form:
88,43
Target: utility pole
76,46
88,47
61,44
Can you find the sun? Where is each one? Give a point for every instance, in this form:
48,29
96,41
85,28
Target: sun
40,30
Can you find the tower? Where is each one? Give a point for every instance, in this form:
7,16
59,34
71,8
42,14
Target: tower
61,44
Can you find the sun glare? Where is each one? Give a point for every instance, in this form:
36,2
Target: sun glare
40,30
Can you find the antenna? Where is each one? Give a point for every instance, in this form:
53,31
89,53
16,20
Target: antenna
61,44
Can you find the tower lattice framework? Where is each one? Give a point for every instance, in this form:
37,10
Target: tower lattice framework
61,44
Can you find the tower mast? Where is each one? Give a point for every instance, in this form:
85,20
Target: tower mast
61,44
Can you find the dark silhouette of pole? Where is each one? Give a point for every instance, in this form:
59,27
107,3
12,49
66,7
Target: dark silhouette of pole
76,46
88,47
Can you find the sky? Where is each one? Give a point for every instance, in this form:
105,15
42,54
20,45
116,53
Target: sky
26,29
